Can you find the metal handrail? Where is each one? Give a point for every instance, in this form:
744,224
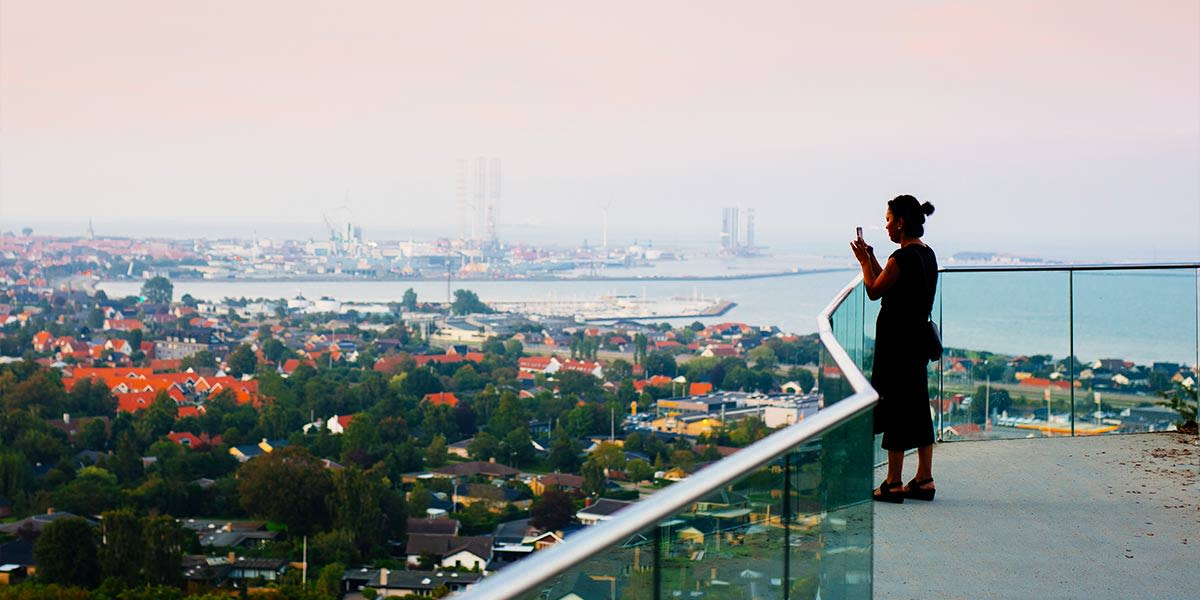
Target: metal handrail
1069,267
531,572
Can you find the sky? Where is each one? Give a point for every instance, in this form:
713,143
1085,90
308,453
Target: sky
1067,128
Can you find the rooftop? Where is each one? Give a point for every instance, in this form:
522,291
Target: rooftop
1099,517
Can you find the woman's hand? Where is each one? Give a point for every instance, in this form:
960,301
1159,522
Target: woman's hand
863,252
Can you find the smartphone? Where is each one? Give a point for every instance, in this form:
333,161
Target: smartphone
858,233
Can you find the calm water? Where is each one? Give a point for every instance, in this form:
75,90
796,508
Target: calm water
1140,316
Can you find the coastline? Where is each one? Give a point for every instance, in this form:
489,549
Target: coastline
540,279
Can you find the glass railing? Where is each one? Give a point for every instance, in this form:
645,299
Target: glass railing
1063,350
788,517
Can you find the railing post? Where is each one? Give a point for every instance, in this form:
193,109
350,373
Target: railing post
657,574
787,525
1071,353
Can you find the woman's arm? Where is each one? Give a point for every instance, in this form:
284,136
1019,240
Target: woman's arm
878,281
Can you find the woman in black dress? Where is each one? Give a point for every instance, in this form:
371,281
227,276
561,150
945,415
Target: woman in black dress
906,284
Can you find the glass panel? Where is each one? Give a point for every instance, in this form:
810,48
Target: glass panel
1136,340
805,519
1007,334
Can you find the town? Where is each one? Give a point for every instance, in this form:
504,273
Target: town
240,444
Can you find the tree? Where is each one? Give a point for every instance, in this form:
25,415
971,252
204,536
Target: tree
274,350
594,480
802,376
288,486
16,476
357,505
409,300
619,370
329,582
435,452
553,511
200,360
121,551
92,492
65,553
660,363
639,470
485,446
467,302
640,344
242,361
158,290
564,453
162,539
764,357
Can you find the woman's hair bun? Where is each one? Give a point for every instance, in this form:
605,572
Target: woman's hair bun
927,208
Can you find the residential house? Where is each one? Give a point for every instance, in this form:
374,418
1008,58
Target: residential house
496,498
390,583
432,526
601,510
477,467
450,551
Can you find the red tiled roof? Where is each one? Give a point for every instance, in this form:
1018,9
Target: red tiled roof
447,398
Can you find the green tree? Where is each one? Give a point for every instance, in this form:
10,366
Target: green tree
802,376
329,582
640,345
274,350
91,397
16,476
467,302
619,370
162,540
639,470
127,461
65,553
435,452
288,486
333,546
121,551
564,453
764,357
660,363
357,505
91,493
242,361
484,446
553,511
517,448
158,290
594,480
198,361
409,300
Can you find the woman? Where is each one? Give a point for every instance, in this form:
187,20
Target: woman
906,284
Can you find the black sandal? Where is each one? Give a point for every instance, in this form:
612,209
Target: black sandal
917,491
889,492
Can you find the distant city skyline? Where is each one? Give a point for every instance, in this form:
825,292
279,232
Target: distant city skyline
1067,128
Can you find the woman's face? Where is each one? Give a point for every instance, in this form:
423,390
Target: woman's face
894,226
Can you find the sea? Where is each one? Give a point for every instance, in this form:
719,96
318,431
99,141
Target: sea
1138,316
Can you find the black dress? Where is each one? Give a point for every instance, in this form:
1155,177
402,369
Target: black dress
899,370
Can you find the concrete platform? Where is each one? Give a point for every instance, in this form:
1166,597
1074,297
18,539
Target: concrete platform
1089,517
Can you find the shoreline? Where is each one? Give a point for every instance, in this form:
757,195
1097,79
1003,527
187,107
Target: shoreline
546,279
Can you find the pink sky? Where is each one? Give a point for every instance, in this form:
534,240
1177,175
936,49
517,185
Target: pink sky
1081,116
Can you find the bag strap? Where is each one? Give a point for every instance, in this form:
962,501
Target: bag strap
925,282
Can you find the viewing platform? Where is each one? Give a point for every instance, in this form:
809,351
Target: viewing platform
1098,517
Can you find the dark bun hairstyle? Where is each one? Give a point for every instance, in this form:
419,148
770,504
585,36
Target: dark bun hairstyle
913,212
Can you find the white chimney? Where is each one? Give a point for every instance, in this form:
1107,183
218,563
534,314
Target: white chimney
383,573
67,418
